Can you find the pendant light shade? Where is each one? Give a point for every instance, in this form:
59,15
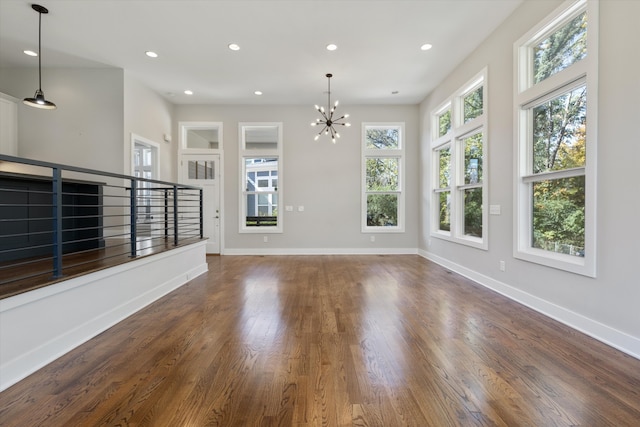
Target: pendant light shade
327,120
38,99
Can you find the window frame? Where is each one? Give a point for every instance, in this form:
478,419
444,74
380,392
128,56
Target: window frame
453,140
260,153
528,95
185,127
391,153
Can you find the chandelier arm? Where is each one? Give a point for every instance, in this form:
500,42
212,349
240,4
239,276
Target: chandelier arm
322,131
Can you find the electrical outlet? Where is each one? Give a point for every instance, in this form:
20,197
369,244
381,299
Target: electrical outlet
503,266
265,239
373,238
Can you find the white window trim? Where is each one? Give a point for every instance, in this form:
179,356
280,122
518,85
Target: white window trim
399,154
260,153
453,139
184,127
527,95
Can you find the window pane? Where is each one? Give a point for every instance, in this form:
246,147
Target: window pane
202,138
444,123
445,211
259,167
473,212
559,127
473,105
562,48
382,138
444,164
262,210
261,137
382,210
473,159
558,215
201,169
382,174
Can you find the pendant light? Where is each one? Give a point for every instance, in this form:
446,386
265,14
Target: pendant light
327,118
39,100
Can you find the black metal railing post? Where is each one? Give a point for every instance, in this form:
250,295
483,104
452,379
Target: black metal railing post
166,213
133,203
201,216
65,223
175,215
57,221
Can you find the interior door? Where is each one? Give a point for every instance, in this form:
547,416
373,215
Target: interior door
144,157
203,170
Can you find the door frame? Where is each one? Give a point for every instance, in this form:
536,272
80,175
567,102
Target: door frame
183,127
155,147
149,143
184,158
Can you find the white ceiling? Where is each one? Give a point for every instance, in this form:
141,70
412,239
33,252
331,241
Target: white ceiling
282,45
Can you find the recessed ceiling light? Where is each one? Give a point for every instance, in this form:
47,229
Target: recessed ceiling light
151,54
30,53
258,92
426,46
188,92
234,46
332,47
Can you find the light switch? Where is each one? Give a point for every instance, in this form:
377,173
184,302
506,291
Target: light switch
494,209
288,208
300,208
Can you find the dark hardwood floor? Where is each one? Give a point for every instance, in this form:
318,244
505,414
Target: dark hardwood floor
332,341
25,275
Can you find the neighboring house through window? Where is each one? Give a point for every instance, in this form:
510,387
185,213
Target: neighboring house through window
260,180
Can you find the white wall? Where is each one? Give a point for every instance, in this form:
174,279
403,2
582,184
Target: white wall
148,115
607,306
321,176
85,130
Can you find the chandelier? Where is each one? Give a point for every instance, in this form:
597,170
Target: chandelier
327,120
38,99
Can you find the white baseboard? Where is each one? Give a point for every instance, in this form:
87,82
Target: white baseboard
606,334
321,251
39,326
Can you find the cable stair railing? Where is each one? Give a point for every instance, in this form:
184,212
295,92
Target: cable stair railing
58,221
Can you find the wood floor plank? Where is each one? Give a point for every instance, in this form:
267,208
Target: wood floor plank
311,341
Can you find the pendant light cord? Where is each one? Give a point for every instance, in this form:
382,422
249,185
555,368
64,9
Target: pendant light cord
40,50
329,94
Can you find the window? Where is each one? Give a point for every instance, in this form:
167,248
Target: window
382,177
261,166
556,117
200,137
459,157
201,169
